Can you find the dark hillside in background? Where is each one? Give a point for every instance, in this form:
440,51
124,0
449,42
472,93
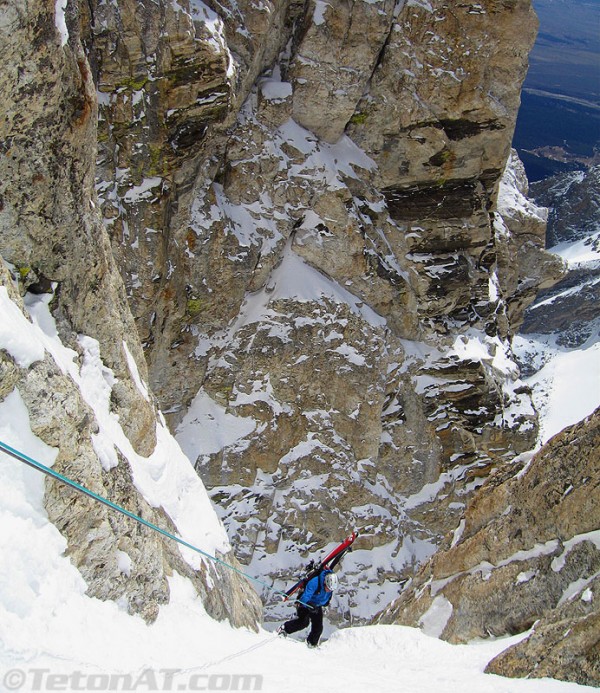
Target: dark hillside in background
558,128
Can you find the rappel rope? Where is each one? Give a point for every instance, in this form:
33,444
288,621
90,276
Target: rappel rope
22,457
228,658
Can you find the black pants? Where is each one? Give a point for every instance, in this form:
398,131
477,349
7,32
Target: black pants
305,616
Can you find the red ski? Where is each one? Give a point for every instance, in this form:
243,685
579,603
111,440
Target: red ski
337,553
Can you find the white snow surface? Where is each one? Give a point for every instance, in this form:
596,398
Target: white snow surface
434,620
296,279
566,388
17,333
581,252
320,11
207,427
135,374
511,201
59,21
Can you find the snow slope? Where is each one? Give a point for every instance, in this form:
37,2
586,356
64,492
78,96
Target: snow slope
565,381
566,388
54,637
165,479
49,629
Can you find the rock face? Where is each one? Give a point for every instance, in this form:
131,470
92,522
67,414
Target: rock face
47,168
524,268
547,653
53,244
302,201
527,554
573,202
571,308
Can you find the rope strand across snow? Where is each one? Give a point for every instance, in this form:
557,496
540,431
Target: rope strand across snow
22,457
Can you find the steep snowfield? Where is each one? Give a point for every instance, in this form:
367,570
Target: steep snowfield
54,637
49,629
566,381
566,388
165,479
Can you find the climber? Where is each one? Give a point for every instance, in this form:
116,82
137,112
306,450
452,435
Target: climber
309,606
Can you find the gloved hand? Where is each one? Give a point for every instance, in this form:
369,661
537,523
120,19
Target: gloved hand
310,608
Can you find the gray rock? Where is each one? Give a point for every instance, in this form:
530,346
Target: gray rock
572,306
548,652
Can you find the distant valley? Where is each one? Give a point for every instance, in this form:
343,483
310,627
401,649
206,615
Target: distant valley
558,128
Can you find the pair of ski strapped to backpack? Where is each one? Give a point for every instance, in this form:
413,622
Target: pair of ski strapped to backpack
327,563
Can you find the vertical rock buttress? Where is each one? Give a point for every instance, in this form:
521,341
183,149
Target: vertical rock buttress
53,243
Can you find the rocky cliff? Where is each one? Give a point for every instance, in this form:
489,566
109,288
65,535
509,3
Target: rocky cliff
527,555
311,212
302,199
78,375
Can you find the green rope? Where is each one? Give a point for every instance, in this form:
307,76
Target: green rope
82,489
